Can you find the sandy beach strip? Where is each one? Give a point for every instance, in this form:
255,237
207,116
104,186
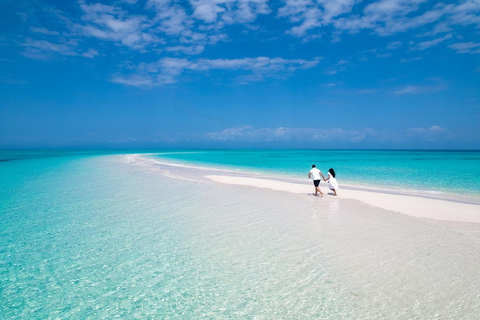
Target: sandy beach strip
410,205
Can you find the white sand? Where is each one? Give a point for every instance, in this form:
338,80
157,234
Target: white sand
273,246
410,205
416,206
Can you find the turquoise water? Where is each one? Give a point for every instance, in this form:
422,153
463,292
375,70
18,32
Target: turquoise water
85,236
431,171
453,172
92,237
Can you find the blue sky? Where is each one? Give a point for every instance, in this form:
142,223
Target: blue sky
240,73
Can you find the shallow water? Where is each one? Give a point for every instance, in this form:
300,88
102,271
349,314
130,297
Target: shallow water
424,171
103,237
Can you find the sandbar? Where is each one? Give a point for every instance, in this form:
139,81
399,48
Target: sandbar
413,205
410,205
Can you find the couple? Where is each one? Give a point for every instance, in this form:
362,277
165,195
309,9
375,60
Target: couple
332,182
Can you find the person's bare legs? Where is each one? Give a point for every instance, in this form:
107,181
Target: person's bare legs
318,188
334,192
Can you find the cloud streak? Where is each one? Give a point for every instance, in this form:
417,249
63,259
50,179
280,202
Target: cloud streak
168,70
384,17
466,47
436,84
282,134
111,23
173,33
411,89
198,23
427,44
44,50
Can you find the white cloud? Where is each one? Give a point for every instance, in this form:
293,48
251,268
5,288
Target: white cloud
313,14
440,27
183,27
206,10
332,84
330,72
44,50
284,134
47,46
466,47
191,50
167,70
203,21
114,24
44,31
434,128
133,80
465,13
91,53
171,18
427,44
186,26
169,25
394,45
403,60
222,12
384,17
433,133
251,134
411,89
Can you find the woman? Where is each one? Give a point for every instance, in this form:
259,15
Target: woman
332,182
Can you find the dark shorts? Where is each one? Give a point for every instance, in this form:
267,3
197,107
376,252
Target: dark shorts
316,182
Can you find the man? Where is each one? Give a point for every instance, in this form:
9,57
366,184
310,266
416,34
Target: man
315,174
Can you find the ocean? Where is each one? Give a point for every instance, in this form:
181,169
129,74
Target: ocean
95,235
427,172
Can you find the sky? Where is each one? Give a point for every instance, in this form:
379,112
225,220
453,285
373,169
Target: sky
319,74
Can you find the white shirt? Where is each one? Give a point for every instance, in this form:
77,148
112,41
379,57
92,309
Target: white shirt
315,173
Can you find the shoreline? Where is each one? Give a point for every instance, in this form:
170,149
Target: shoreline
420,206
387,189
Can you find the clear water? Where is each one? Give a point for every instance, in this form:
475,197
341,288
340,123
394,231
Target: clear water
86,236
432,171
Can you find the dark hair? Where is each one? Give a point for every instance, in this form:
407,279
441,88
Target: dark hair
313,166
332,172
